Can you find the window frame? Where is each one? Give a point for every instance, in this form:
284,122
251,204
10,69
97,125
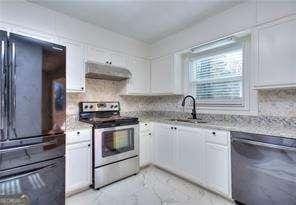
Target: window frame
244,43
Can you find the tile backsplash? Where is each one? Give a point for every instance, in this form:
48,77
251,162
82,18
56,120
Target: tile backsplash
280,102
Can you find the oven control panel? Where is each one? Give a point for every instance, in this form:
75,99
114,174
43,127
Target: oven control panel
99,106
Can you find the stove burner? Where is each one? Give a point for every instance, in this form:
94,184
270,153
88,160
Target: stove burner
104,117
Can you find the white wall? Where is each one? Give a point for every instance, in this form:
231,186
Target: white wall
239,18
43,20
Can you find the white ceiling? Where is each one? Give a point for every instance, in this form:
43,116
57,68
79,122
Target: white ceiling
144,20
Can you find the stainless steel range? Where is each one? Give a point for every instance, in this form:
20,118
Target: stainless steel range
115,142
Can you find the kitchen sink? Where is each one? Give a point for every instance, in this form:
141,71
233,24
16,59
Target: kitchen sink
196,121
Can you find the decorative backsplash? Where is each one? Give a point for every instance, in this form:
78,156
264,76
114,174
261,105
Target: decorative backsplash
280,103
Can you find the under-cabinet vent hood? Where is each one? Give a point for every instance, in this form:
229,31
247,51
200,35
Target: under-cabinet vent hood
107,72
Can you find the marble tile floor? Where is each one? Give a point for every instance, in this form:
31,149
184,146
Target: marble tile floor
151,186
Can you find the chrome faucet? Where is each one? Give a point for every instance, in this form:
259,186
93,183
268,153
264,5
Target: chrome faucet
194,108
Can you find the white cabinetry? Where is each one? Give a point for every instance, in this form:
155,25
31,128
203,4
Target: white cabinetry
145,144
75,65
191,153
78,161
217,158
199,155
164,146
166,75
277,51
103,56
140,81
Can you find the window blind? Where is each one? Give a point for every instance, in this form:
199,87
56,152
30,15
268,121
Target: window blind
216,77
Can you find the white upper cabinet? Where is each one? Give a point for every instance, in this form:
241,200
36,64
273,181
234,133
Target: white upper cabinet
140,81
118,59
191,153
277,51
97,55
161,75
166,75
75,65
103,56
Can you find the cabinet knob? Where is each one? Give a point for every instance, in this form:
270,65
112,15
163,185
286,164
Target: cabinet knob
175,128
172,128
145,124
110,62
150,134
78,133
214,133
82,88
88,145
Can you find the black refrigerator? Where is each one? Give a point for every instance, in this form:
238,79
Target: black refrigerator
32,105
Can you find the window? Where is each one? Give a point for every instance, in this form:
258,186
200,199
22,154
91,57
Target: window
216,74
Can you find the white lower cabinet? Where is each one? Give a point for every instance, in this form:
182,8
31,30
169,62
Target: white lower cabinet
199,155
164,146
145,144
191,153
217,168
78,161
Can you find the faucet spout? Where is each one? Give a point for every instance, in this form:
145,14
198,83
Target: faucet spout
194,106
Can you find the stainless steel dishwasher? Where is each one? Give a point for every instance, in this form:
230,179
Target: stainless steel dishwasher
263,169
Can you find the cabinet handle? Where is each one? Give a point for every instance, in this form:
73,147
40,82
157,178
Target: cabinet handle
82,88
214,133
145,124
78,133
107,62
172,128
88,145
110,62
150,134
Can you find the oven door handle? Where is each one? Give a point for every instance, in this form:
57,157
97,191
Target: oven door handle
263,144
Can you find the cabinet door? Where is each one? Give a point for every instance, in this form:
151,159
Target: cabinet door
145,148
162,75
277,51
78,166
118,59
163,146
191,153
98,55
217,168
75,65
140,81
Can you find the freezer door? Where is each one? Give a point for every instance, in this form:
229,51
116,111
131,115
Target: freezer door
35,184
3,61
37,87
16,153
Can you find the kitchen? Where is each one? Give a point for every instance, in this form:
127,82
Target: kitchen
195,109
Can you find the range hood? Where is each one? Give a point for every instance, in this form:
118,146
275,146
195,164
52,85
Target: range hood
107,72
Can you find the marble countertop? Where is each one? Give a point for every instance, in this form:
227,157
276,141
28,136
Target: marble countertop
279,131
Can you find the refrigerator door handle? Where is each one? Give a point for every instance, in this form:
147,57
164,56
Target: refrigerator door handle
43,144
12,92
2,91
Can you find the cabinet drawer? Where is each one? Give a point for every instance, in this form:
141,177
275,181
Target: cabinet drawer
78,136
217,136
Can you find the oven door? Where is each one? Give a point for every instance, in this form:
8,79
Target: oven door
115,144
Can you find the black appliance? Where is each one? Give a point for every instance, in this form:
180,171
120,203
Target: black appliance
263,169
32,105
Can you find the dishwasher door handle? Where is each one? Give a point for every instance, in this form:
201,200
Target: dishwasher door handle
263,144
